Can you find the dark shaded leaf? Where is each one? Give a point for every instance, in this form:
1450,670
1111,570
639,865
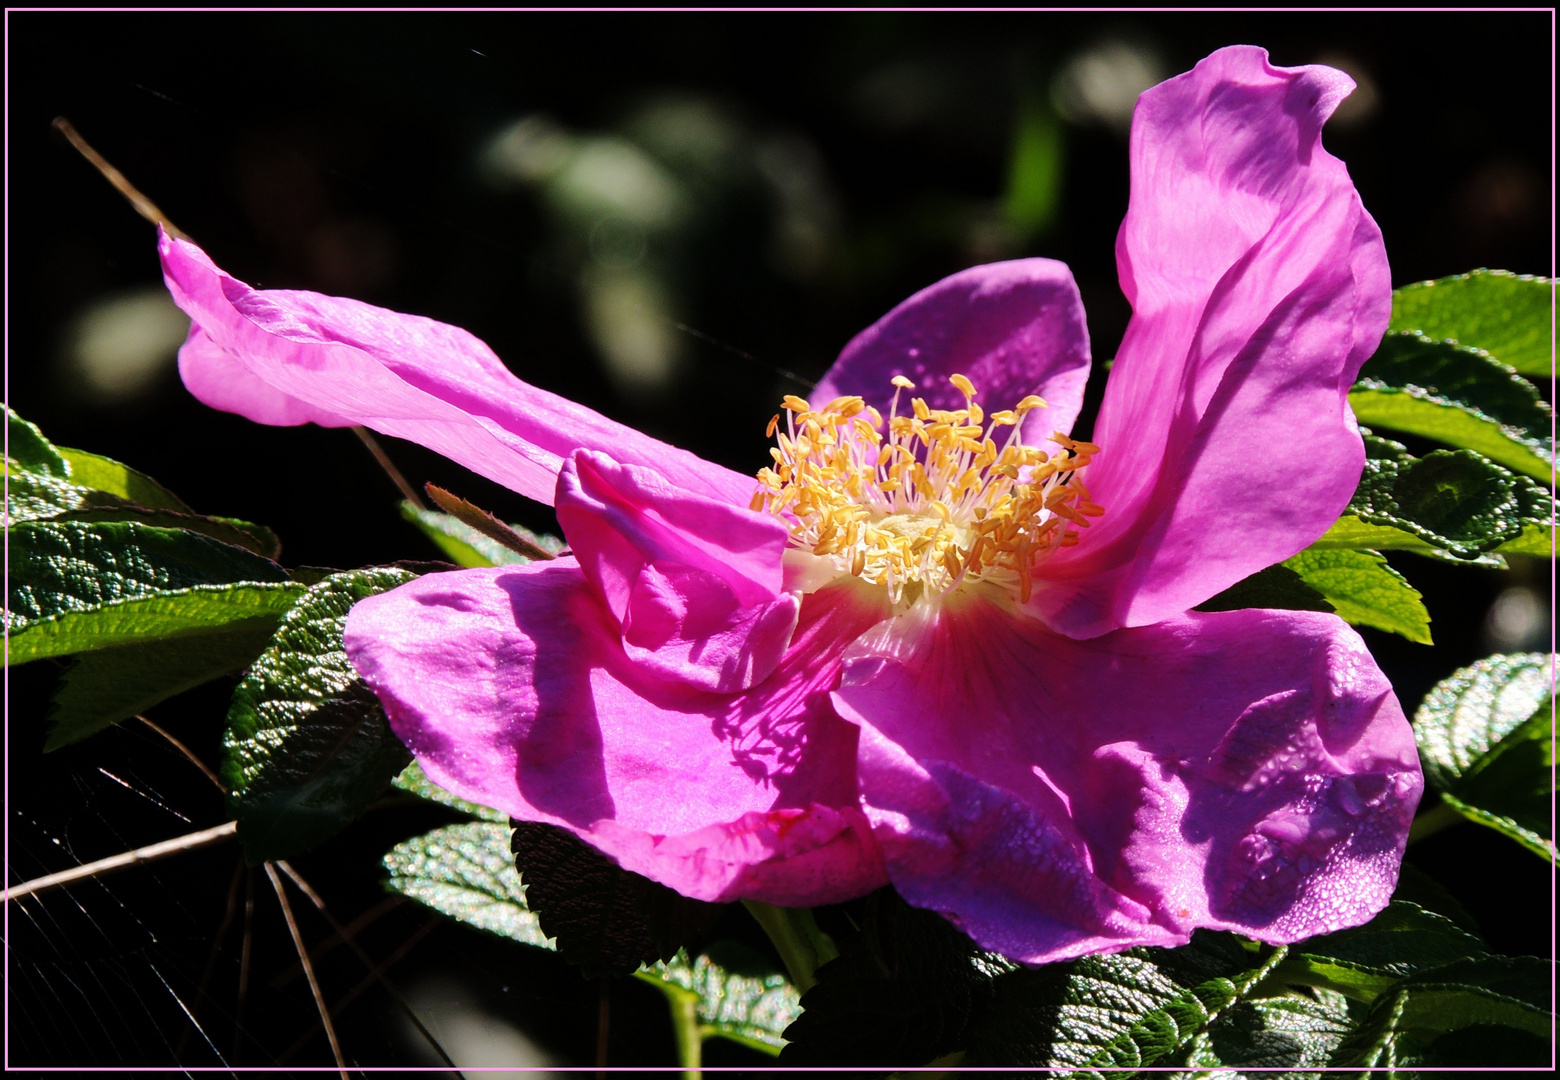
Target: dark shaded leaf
1509,315
1293,1031
1456,395
74,586
1406,1023
104,687
902,993
1451,499
1418,887
1365,961
307,746
1276,587
605,919
1127,1010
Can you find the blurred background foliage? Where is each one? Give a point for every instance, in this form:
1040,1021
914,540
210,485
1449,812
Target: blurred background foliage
673,218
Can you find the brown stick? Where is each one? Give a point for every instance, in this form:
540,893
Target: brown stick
187,752
308,969
142,205
388,466
485,523
149,853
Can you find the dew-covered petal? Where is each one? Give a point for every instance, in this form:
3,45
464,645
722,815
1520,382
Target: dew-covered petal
694,582
302,356
1013,328
1247,771
1259,286
510,686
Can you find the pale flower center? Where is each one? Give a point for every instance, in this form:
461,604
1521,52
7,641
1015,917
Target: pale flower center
935,505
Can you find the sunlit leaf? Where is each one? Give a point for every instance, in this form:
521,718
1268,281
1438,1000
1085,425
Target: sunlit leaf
1510,316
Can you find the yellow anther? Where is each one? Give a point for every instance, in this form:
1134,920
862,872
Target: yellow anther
795,404
965,386
902,382
1033,401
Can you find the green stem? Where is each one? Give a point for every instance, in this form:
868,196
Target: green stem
1438,817
690,1037
802,945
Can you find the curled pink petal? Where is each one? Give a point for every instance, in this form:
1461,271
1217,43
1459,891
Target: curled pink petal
1248,771
222,382
308,355
694,582
1259,286
511,687
1013,328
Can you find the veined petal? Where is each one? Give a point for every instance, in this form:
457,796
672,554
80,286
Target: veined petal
1248,771
304,356
511,687
1259,286
694,582
1013,328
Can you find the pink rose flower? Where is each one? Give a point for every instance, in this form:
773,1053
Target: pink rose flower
920,650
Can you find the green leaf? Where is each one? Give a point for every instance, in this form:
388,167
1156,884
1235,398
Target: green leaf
33,453
605,919
1405,1024
1469,713
104,687
1364,591
76,586
105,474
466,872
753,1010
1457,395
1291,1031
1511,316
1452,499
1351,534
414,781
1275,587
1486,738
901,993
307,746
1365,961
464,545
1127,1010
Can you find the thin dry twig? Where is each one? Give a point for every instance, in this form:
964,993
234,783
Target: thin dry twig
345,935
211,957
150,853
352,930
485,523
142,205
389,466
187,752
308,968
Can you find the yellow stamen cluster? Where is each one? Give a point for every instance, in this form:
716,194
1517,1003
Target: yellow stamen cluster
934,505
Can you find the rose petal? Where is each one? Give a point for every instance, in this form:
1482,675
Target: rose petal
511,688
312,356
1014,328
1259,286
1246,771
694,582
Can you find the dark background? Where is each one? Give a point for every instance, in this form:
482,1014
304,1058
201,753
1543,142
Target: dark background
798,175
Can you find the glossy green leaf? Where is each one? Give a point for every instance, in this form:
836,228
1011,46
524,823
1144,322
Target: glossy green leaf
307,746
1349,533
1468,714
1299,1030
104,687
1127,1010
105,474
1452,499
1406,1024
414,781
753,1010
605,919
1365,961
1456,395
77,586
26,446
1364,591
466,872
1508,315
902,993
